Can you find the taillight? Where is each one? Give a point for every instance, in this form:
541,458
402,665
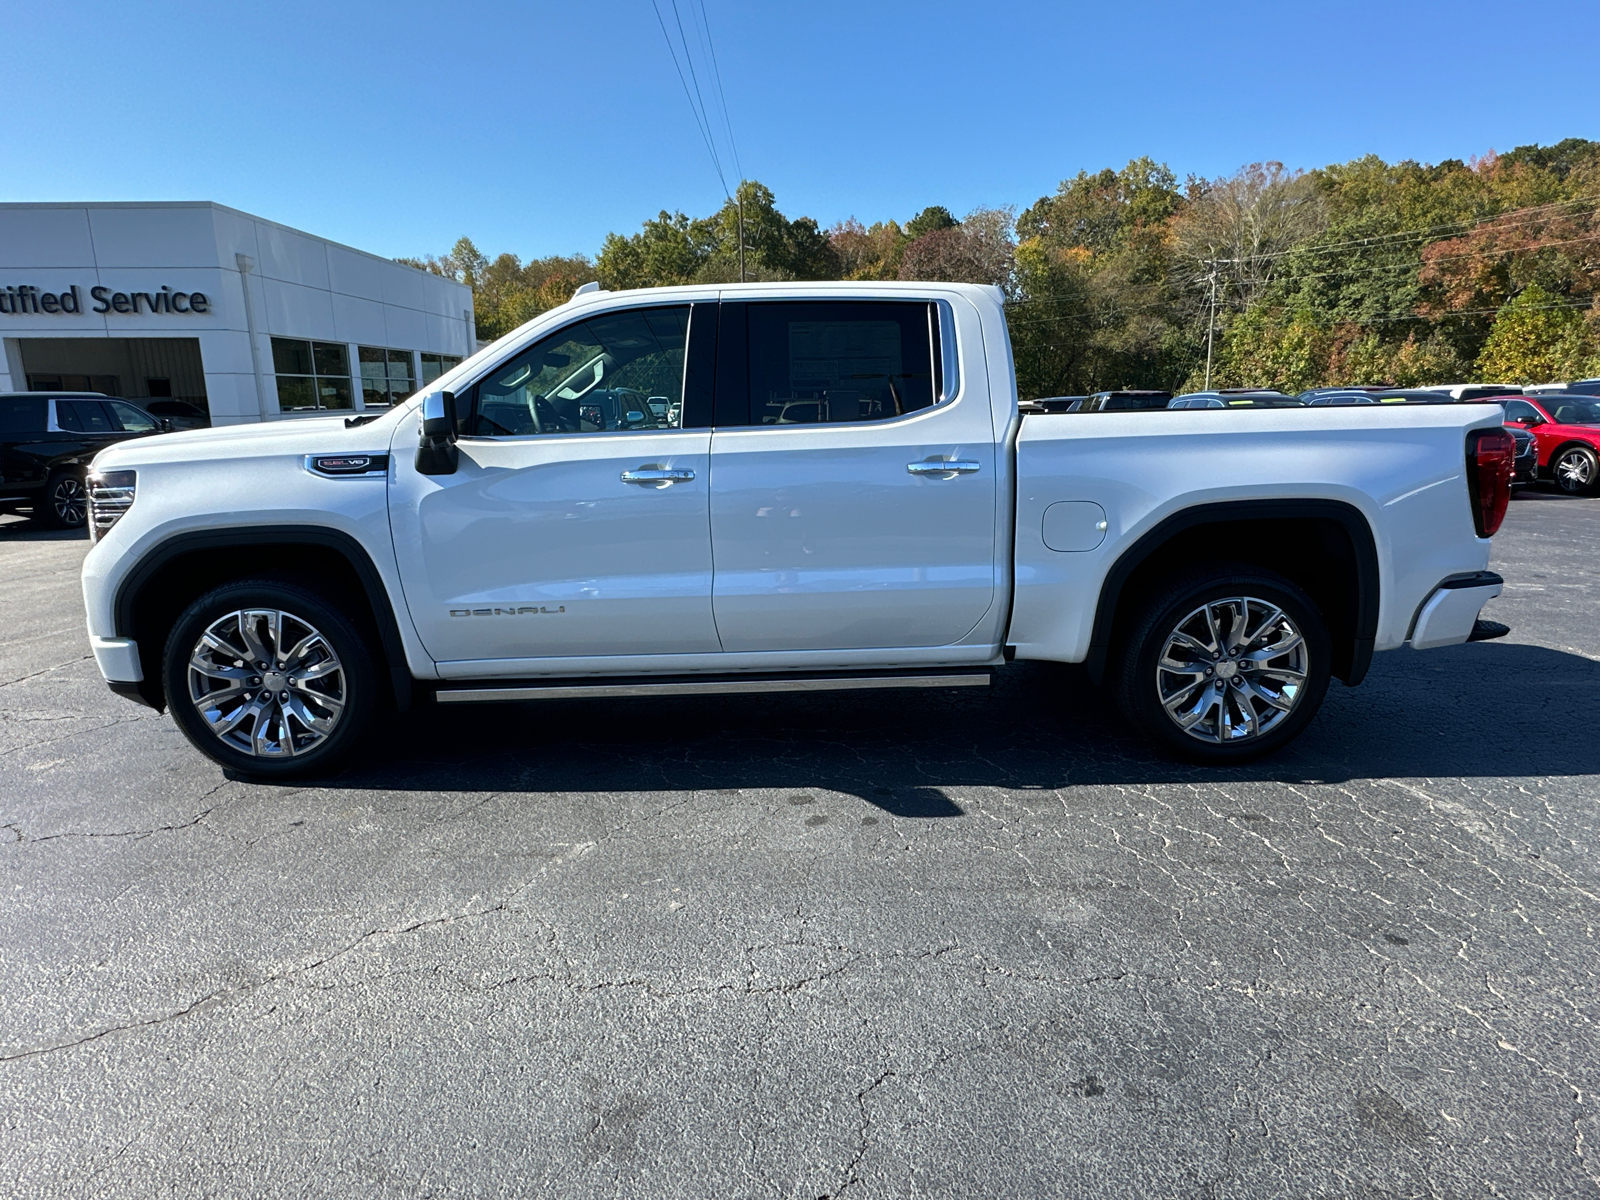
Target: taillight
1491,460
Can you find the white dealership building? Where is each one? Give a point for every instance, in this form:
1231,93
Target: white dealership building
243,317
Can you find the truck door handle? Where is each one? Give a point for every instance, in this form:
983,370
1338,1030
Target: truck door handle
945,467
660,477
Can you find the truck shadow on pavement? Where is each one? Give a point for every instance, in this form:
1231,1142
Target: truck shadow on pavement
1485,710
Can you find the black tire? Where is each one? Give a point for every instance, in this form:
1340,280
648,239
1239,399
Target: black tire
279,738
1141,685
65,503
1576,470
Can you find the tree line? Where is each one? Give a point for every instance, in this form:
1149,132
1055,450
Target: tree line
1358,272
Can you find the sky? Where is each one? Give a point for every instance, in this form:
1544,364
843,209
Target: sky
537,128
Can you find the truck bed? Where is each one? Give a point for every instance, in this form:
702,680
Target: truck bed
1401,470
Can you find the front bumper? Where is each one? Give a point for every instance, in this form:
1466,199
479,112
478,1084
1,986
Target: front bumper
118,659
1450,613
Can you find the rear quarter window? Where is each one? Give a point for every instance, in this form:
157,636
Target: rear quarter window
22,415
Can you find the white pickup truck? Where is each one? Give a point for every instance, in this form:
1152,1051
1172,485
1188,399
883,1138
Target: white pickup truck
777,487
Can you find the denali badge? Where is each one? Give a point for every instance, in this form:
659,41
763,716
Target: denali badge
506,612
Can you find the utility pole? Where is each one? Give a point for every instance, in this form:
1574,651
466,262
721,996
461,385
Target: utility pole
741,231
1211,327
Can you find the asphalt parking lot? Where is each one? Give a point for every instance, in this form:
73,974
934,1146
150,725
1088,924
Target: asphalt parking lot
874,945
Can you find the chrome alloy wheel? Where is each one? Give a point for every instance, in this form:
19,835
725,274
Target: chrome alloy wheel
1574,471
267,683
69,501
1232,670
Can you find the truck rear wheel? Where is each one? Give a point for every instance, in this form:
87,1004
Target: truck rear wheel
268,678
1225,664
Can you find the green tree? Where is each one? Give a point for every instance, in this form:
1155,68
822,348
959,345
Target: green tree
1097,302
1537,338
673,249
1265,348
930,220
506,292
868,252
668,250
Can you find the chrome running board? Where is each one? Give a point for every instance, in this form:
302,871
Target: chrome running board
723,686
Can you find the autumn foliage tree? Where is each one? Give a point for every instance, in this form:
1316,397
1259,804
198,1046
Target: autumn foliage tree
1357,272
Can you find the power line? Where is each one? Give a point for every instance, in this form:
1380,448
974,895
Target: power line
1383,240
1361,272
699,119
697,103
694,78
722,97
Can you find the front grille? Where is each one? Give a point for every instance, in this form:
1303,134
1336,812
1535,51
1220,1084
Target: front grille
110,495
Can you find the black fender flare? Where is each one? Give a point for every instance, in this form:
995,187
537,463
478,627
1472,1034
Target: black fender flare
179,544
1346,515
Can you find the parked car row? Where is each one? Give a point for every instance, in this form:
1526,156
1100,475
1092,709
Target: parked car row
47,440
1556,427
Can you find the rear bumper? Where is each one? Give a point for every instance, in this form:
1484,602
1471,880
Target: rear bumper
1448,615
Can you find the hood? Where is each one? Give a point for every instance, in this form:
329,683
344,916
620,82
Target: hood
301,435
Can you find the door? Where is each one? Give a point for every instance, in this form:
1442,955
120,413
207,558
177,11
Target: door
852,495
1520,412
24,445
577,522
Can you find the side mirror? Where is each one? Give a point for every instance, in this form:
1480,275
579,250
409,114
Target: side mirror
436,451
165,423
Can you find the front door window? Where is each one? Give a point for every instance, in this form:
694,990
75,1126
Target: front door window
612,373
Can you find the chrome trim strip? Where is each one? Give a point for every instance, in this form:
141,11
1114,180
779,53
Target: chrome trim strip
948,352
710,687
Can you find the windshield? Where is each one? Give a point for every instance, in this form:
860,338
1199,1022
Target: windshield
1412,396
1125,402
1575,412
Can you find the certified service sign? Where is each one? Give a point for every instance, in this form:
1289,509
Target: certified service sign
26,301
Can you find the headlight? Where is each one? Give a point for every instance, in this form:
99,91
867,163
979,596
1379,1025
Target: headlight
110,495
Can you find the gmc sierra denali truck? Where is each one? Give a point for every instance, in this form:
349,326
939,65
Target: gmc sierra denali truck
777,487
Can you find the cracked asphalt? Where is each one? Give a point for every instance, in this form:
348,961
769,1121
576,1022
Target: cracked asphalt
864,945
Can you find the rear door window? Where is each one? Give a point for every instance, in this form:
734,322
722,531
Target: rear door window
831,361
21,416
84,416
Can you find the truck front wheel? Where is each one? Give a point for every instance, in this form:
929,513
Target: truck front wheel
268,678
1225,664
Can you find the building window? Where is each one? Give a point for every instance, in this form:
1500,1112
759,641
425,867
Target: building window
311,374
435,365
385,375
106,385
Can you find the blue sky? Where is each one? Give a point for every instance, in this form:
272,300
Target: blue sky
538,128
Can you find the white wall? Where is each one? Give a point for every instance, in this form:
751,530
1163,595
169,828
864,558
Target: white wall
302,286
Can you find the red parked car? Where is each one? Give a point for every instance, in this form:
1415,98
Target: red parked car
1566,427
